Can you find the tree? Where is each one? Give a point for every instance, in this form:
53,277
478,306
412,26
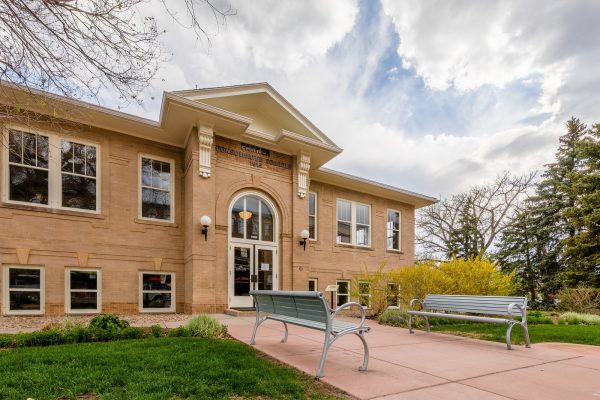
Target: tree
467,224
75,48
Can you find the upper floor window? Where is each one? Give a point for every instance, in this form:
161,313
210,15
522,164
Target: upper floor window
312,216
156,188
353,223
393,230
69,182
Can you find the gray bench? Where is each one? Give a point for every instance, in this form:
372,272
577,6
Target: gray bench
447,306
308,309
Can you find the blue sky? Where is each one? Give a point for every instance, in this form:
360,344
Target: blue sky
432,96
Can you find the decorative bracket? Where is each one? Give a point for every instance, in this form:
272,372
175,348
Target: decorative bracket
205,142
303,167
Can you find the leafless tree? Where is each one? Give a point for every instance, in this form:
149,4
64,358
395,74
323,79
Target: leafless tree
466,224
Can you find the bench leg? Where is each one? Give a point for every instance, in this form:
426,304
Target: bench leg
365,363
286,333
326,345
427,324
410,323
256,324
508,330
526,334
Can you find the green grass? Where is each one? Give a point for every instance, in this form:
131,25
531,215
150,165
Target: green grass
582,334
165,368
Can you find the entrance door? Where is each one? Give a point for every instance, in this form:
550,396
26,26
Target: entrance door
252,267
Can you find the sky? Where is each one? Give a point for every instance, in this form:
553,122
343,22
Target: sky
430,96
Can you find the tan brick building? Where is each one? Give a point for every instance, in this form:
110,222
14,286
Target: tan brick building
103,211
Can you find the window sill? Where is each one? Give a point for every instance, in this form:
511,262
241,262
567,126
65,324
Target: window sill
157,311
49,210
353,246
156,222
392,251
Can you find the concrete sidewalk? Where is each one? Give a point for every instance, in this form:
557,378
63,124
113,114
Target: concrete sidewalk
433,366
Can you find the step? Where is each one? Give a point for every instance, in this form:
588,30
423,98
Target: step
236,312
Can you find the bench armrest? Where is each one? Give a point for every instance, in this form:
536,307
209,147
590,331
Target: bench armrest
520,308
363,315
413,301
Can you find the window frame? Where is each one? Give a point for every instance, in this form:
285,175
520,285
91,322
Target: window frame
141,292
315,216
337,292
399,249
368,295
171,187
353,223
68,291
6,290
316,283
54,169
397,295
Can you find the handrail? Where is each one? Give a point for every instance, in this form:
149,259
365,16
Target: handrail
521,309
413,301
363,315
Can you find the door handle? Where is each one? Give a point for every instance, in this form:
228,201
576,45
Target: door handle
254,278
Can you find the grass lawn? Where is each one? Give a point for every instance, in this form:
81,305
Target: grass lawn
582,334
165,368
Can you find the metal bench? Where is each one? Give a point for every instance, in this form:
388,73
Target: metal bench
308,309
446,306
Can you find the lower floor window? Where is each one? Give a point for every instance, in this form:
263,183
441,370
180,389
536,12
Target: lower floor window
393,295
157,291
23,290
312,285
83,290
364,293
343,292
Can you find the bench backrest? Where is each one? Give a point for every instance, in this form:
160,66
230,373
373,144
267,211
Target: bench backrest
497,305
298,304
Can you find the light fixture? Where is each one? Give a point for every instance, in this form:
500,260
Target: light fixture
304,235
245,214
205,221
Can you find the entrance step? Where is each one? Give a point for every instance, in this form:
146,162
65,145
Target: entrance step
241,312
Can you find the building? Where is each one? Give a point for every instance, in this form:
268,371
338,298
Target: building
107,212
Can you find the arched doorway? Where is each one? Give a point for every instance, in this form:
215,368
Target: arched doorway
253,248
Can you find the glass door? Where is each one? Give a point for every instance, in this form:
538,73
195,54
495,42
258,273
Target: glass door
241,274
264,268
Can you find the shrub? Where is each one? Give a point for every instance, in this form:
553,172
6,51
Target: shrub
156,330
181,331
206,327
38,338
397,317
132,332
104,335
379,290
573,318
108,322
538,318
580,300
6,341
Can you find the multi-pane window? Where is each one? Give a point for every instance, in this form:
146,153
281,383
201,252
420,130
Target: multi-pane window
312,216
364,293
28,167
78,175
156,189
393,230
353,223
343,292
50,171
312,285
393,295
252,218
157,291
23,290
83,290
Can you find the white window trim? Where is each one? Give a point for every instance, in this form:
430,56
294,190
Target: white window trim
54,170
397,305
399,249
368,295
337,293
171,187
316,281
316,215
6,291
68,291
142,291
353,223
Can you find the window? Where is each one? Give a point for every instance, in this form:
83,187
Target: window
312,216
252,218
312,285
393,230
156,189
353,223
83,290
23,290
393,295
343,292
364,293
48,171
157,292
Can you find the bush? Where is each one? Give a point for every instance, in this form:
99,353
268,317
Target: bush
538,318
39,338
573,318
181,331
132,332
108,322
580,300
6,341
156,330
104,335
206,327
397,317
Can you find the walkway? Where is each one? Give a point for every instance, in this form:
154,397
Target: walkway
433,366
